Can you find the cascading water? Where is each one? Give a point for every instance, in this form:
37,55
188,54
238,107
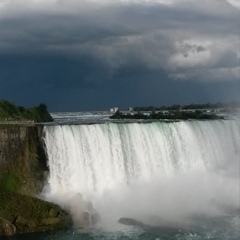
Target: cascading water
169,170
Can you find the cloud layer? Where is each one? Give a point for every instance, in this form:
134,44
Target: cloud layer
91,44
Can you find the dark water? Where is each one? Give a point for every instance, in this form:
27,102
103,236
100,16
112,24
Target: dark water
217,228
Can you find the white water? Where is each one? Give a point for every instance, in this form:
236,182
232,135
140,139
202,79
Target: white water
164,169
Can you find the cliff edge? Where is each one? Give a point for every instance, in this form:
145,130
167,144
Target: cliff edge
23,171
23,164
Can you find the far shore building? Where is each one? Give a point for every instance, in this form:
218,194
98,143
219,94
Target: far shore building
113,110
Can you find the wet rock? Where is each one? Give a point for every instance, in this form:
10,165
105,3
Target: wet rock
131,222
161,230
86,219
7,228
90,206
50,221
95,218
53,212
20,221
31,224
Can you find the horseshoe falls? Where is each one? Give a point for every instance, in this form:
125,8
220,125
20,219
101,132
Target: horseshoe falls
171,172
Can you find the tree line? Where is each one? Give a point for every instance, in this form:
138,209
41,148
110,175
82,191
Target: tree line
232,104
10,112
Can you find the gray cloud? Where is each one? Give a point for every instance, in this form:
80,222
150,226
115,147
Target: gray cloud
88,46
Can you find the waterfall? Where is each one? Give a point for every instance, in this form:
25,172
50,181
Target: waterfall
101,160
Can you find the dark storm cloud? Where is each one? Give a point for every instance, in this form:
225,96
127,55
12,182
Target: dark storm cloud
80,49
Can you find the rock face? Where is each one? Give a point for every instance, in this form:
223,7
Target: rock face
22,159
82,212
131,222
163,230
20,221
50,221
6,228
53,213
23,170
24,214
88,219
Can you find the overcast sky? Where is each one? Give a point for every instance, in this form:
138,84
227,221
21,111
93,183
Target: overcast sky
77,55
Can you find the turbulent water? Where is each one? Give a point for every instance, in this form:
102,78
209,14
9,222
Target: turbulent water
181,179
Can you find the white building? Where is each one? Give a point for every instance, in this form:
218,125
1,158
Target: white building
113,110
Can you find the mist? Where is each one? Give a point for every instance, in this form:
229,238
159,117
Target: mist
172,201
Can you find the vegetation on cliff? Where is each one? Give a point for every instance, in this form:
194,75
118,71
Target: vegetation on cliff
10,112
10,181
219,105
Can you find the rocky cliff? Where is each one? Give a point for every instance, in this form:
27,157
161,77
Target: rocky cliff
22,158
23,169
